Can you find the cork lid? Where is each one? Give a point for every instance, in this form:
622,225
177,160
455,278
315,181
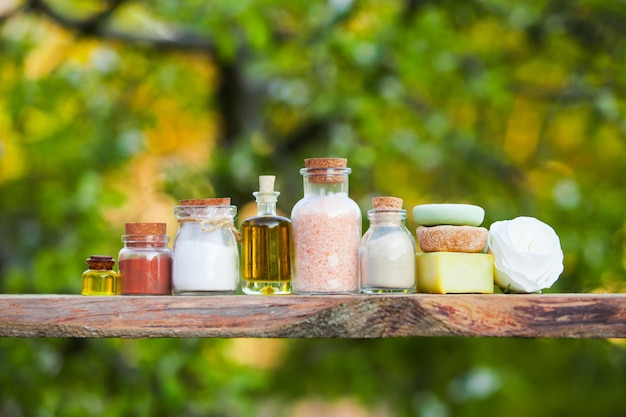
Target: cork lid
325,163
266,193
219,201
100,262
266,183
144,229
386,203
336,168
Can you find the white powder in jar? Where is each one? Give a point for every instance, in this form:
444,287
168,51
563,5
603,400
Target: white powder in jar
388,261
204,266
326,232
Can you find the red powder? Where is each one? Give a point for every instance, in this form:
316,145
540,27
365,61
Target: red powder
146,276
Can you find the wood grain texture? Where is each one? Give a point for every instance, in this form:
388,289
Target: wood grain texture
335,316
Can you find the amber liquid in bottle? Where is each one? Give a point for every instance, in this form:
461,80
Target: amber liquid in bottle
100,283
266,266
266,246
100,279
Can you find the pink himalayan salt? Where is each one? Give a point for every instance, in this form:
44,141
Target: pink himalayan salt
327,231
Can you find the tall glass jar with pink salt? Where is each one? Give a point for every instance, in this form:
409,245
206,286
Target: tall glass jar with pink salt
326,227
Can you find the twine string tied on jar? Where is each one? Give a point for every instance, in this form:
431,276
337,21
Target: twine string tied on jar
211,225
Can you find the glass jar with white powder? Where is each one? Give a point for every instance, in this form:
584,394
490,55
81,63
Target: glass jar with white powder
387,250
205,253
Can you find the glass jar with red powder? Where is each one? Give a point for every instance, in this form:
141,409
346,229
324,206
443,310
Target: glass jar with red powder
326,226
145,261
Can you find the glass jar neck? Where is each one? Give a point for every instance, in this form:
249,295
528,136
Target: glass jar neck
386,217
325,181
204,212
100,266
145,241
266,202
266,209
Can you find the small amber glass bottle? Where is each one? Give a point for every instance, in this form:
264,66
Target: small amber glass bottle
266,245
99,278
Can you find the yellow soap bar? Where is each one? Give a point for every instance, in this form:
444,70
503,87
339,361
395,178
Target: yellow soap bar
455,272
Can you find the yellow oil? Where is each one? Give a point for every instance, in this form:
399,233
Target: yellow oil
266,247
101,282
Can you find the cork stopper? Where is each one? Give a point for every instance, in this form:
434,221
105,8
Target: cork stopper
266,183
100,262
266,193
143,229
219,201
325,163
386,203
318,165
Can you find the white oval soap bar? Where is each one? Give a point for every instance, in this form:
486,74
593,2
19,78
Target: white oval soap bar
450,214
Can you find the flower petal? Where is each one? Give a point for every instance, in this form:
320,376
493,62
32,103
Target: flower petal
527,252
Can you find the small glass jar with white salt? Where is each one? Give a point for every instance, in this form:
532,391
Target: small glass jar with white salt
205,253
387,250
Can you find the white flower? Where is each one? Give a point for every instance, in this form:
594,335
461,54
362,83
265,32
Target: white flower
528,255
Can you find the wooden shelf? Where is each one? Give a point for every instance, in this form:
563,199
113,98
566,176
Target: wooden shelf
335,316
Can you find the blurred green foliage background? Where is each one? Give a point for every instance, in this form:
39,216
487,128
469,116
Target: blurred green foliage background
111,111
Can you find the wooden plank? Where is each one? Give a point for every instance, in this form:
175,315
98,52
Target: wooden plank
295,316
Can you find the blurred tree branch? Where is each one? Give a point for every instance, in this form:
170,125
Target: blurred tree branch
98,26
232,92
91,25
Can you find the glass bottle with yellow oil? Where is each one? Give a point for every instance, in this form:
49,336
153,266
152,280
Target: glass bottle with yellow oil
266,245
99,278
